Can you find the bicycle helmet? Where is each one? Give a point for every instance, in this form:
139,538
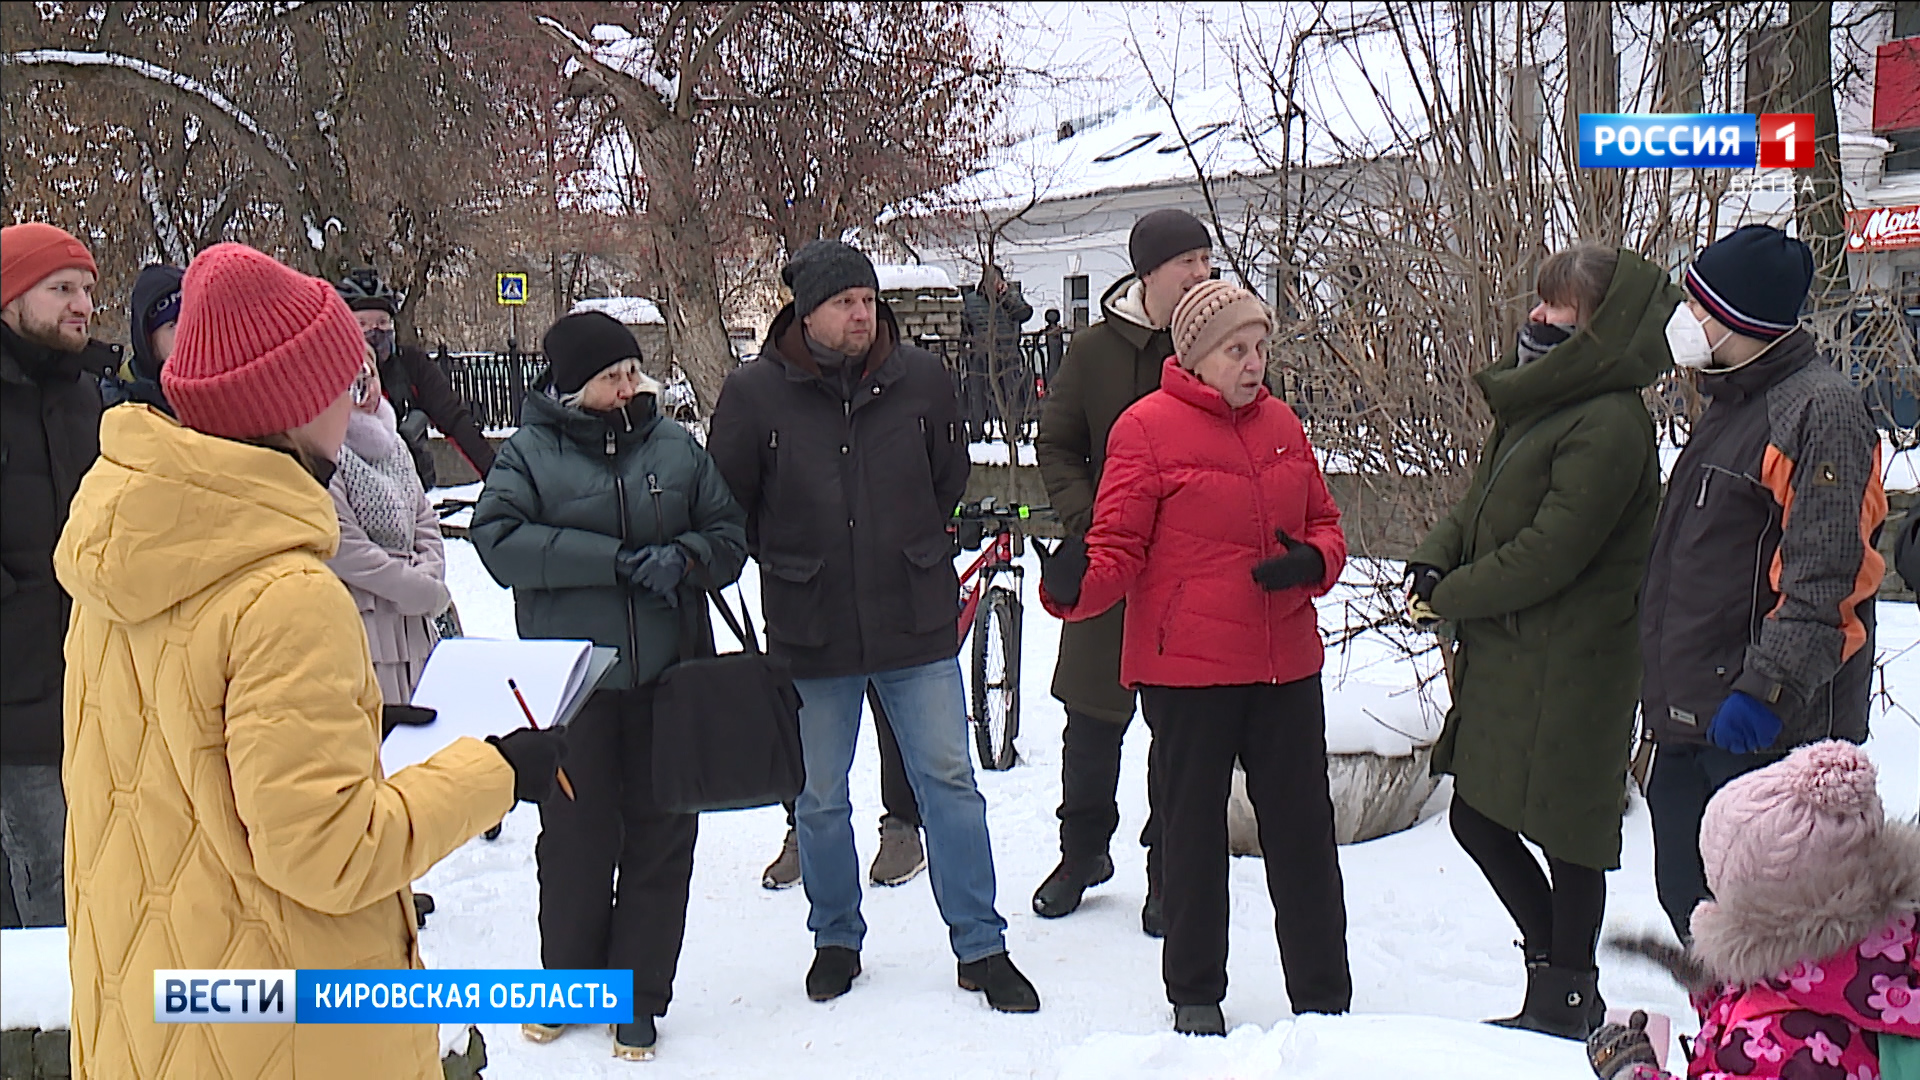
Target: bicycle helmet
363,290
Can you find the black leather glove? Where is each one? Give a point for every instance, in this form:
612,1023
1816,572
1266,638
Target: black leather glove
535,756
1422,580
1300,564
659,570
1614,1049
392,716
1063,568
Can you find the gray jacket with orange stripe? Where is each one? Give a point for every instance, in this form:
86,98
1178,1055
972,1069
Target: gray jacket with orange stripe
1764,565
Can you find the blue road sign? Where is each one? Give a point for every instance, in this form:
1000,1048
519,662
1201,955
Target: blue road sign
510,288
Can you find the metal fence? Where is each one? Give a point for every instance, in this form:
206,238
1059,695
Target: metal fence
493,384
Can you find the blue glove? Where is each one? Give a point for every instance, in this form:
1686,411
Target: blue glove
1743,725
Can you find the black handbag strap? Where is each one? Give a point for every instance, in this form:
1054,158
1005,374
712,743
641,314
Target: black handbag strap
745,635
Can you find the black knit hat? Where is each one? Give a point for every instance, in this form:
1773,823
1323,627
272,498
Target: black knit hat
1163,235
583,345
824,269
1754,279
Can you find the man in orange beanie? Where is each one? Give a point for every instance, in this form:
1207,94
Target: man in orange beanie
50,429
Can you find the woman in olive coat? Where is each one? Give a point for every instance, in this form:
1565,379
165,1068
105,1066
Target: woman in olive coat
1538,569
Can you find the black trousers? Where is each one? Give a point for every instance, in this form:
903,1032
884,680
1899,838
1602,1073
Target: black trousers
1558,920
1089,785
614,868
896,794
1279,735
1685,776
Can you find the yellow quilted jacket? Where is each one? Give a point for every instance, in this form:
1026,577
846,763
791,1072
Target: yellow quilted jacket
226,806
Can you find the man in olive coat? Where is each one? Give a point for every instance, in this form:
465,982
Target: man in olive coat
1109,366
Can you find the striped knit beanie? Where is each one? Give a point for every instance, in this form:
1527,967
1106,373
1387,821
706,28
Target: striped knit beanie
262,348
1208,314
1754,280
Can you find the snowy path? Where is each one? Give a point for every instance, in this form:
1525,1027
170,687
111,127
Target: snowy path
1426,936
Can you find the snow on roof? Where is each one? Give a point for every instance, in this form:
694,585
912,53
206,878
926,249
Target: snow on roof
631,310
911,276
1345,96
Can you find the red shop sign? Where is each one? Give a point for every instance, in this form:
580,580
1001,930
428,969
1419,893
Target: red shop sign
1885,228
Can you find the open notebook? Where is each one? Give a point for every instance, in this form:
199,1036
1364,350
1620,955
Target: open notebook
465,681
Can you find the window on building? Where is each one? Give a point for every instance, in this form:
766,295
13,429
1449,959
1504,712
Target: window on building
1079,307
1128,147
1194,139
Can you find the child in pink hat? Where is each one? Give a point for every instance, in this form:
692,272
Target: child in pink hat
1808,958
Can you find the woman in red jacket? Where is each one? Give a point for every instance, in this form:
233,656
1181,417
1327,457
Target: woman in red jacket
1214,523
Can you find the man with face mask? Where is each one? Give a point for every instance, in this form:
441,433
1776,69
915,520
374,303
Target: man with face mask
50,373
1757,616
413,383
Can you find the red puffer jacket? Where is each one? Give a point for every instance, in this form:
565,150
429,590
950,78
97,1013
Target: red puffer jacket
1189,501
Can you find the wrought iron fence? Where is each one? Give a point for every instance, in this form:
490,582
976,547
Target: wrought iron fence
493,383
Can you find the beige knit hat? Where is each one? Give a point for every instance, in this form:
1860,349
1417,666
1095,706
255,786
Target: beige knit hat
1208,314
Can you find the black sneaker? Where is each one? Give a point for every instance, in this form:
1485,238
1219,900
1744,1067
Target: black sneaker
1007,990
1153,918
833,971
1060,894
635,1041
1199,1020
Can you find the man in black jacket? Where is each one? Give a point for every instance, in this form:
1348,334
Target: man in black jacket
416,386
1757,614
50,373
153,315
841,444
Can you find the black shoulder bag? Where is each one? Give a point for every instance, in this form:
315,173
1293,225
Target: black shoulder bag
726,729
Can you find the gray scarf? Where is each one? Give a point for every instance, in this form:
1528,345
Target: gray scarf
377,476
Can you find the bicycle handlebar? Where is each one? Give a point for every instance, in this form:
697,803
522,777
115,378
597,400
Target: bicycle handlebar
986,511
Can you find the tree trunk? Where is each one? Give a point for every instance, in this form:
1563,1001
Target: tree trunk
1819,207
685,244
1592,87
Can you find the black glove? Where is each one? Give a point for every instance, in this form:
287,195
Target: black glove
659,570
1301,564
1062,569
1422,580
392,716
535,756
1614,1049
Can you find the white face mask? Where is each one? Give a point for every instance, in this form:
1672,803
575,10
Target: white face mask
1687,340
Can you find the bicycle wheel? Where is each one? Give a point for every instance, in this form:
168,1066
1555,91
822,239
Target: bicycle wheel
996,678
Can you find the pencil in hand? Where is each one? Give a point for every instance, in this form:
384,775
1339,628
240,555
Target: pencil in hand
560,773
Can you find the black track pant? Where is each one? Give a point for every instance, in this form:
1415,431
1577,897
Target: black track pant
1685,777
1559,920
896,794
614,868
1089,789
1279,735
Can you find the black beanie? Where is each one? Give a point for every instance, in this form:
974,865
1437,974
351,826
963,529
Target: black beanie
824,269
1754,279
1164,235
583,345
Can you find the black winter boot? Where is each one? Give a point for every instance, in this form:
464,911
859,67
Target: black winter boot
1560,1001
1153,916
1199,1020
1007,990
1060,893
635,1041
833,971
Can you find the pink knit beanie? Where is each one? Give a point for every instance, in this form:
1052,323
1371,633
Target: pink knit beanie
1795,818
262,348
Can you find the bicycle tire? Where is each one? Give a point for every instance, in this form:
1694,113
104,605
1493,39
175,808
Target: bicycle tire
996,679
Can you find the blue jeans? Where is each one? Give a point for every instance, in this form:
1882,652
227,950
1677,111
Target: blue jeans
926,706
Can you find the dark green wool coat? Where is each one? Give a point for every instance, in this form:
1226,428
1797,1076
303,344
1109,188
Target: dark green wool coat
568,491
1544,559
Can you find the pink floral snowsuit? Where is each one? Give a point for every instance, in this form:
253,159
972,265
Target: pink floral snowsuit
1815,1021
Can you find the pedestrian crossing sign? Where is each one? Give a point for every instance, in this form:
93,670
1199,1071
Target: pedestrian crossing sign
510,288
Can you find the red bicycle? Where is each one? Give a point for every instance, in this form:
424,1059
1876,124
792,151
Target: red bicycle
992,611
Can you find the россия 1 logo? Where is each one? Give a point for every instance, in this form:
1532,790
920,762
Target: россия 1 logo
1696,141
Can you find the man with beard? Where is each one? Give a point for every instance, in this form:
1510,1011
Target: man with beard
50,373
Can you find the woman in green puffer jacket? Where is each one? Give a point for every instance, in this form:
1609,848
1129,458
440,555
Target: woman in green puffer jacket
610,522
1539,569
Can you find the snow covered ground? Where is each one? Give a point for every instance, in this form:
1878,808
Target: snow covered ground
1431,948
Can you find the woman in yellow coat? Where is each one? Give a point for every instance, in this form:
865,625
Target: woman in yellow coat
222,716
